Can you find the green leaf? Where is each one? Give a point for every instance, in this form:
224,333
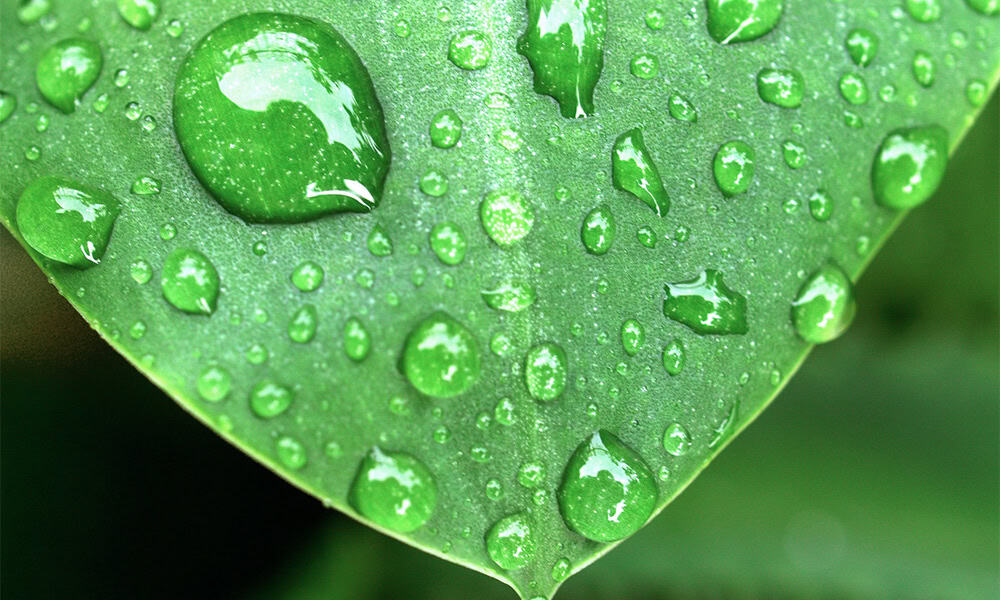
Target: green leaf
340,349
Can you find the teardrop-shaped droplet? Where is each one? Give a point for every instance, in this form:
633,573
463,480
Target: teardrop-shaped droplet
862,46
607,491
67,221
633,171
507,216
564,44
909,166
793,153
394,490
357,340
279,119
190,282
441,357
510,542
924,68
824,306
546,371
510,296
734,167
66,70
269,399
681,108
633,336
470,50
731,21
781,87
302,326
853,88
379,243
676,439
448,242
674,357
598,230
706,305
139,13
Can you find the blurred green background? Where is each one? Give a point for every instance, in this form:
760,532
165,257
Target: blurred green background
876,474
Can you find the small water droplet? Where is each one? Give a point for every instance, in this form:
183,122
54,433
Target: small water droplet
681,108
546,371
446,129
256,354
139,13
145,186
674,357
633,336
448,242
357,340
441,357
731,21
644,66
291,453
511,296
401,28
820,205
214,383
269,399
924,11
862,46
190,282
676,439
141,271
853,88
470,50
30,11
308,276
924,68
511,543
494,489
302,326
781,87
734,167
531,474
824,306
434,183
793,153
598,230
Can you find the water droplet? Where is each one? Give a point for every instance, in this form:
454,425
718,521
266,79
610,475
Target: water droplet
33,152
924,68
394,490
545,371
731,21
291,453
141,271
824,306
607,492
190,282
256,354
598,230
145,186
401,28
862,46
497,100
302,325
909,166
121,78
269,399
66,70
441,357
734,167
510,542
924,11
793,153
446,129
175,28
646,236
30,11
434,183
820,205
706,305
101,103
724,428
308,276
148,123
133,111
470,50
8,102
655,19
214,383
332,449
564,44
137,330
506,216
494,489
67,221
501,344
561,568
531,474
442,434
781,87
139,13
448,242
310,143
853,88
167,231
676,439
634,171
510,296
633,337
986,7
357,340
42,123
674,357
682,109
503,412
644,66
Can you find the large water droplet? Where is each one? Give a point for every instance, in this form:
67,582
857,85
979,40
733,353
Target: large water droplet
781,87
190,282
441,357
706,305
446,129
67,221
448,242
862,46
987,7
278,118
29,11
924,11
598,230
545,371
564,44
394,490
507,216
607,492
511,296
66,70
734,167
909,166
824,306
510,542
139,13
470,50
732,21
269,399
634,171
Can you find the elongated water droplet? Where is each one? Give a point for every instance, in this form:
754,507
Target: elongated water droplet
510,542
546,371
214,383
924,68
562,567
470,50
975,91
862,46
674,357
145,186
310,142
634,171
446,129
66,70
308,276
598,230
909,166
269,399
824,306
30,11
357,340
139,13
676,439
781,87
706,305
734,167
190,282
633,336
564,44
731,21
820,206
448,242
681,108
394,490
511,296
7,105
853,88
607,491
722,431
67,221
507,216
441,357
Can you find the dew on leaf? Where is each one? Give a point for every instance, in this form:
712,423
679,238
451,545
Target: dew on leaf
731,21
511,296
503,412
506,216
470,50
307,276
546,371
734,167
853,88
646,236
820,205
146,186
291,453
66,70
441,357
986,7
214,383
781,87
674,357
975,91
139,13
133,111
924,68
676,439
706,305
862,46
793,153
190,282
137,330
269,399
511,543
633,336
446,129
302,326
379,243
924,11
494,489
357,340
30,11
434,183
8,102
909,166
644,66
141,271
634,171
682,109
448,242
598,230
393,490
825,305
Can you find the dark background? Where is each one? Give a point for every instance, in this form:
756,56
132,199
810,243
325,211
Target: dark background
874,475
